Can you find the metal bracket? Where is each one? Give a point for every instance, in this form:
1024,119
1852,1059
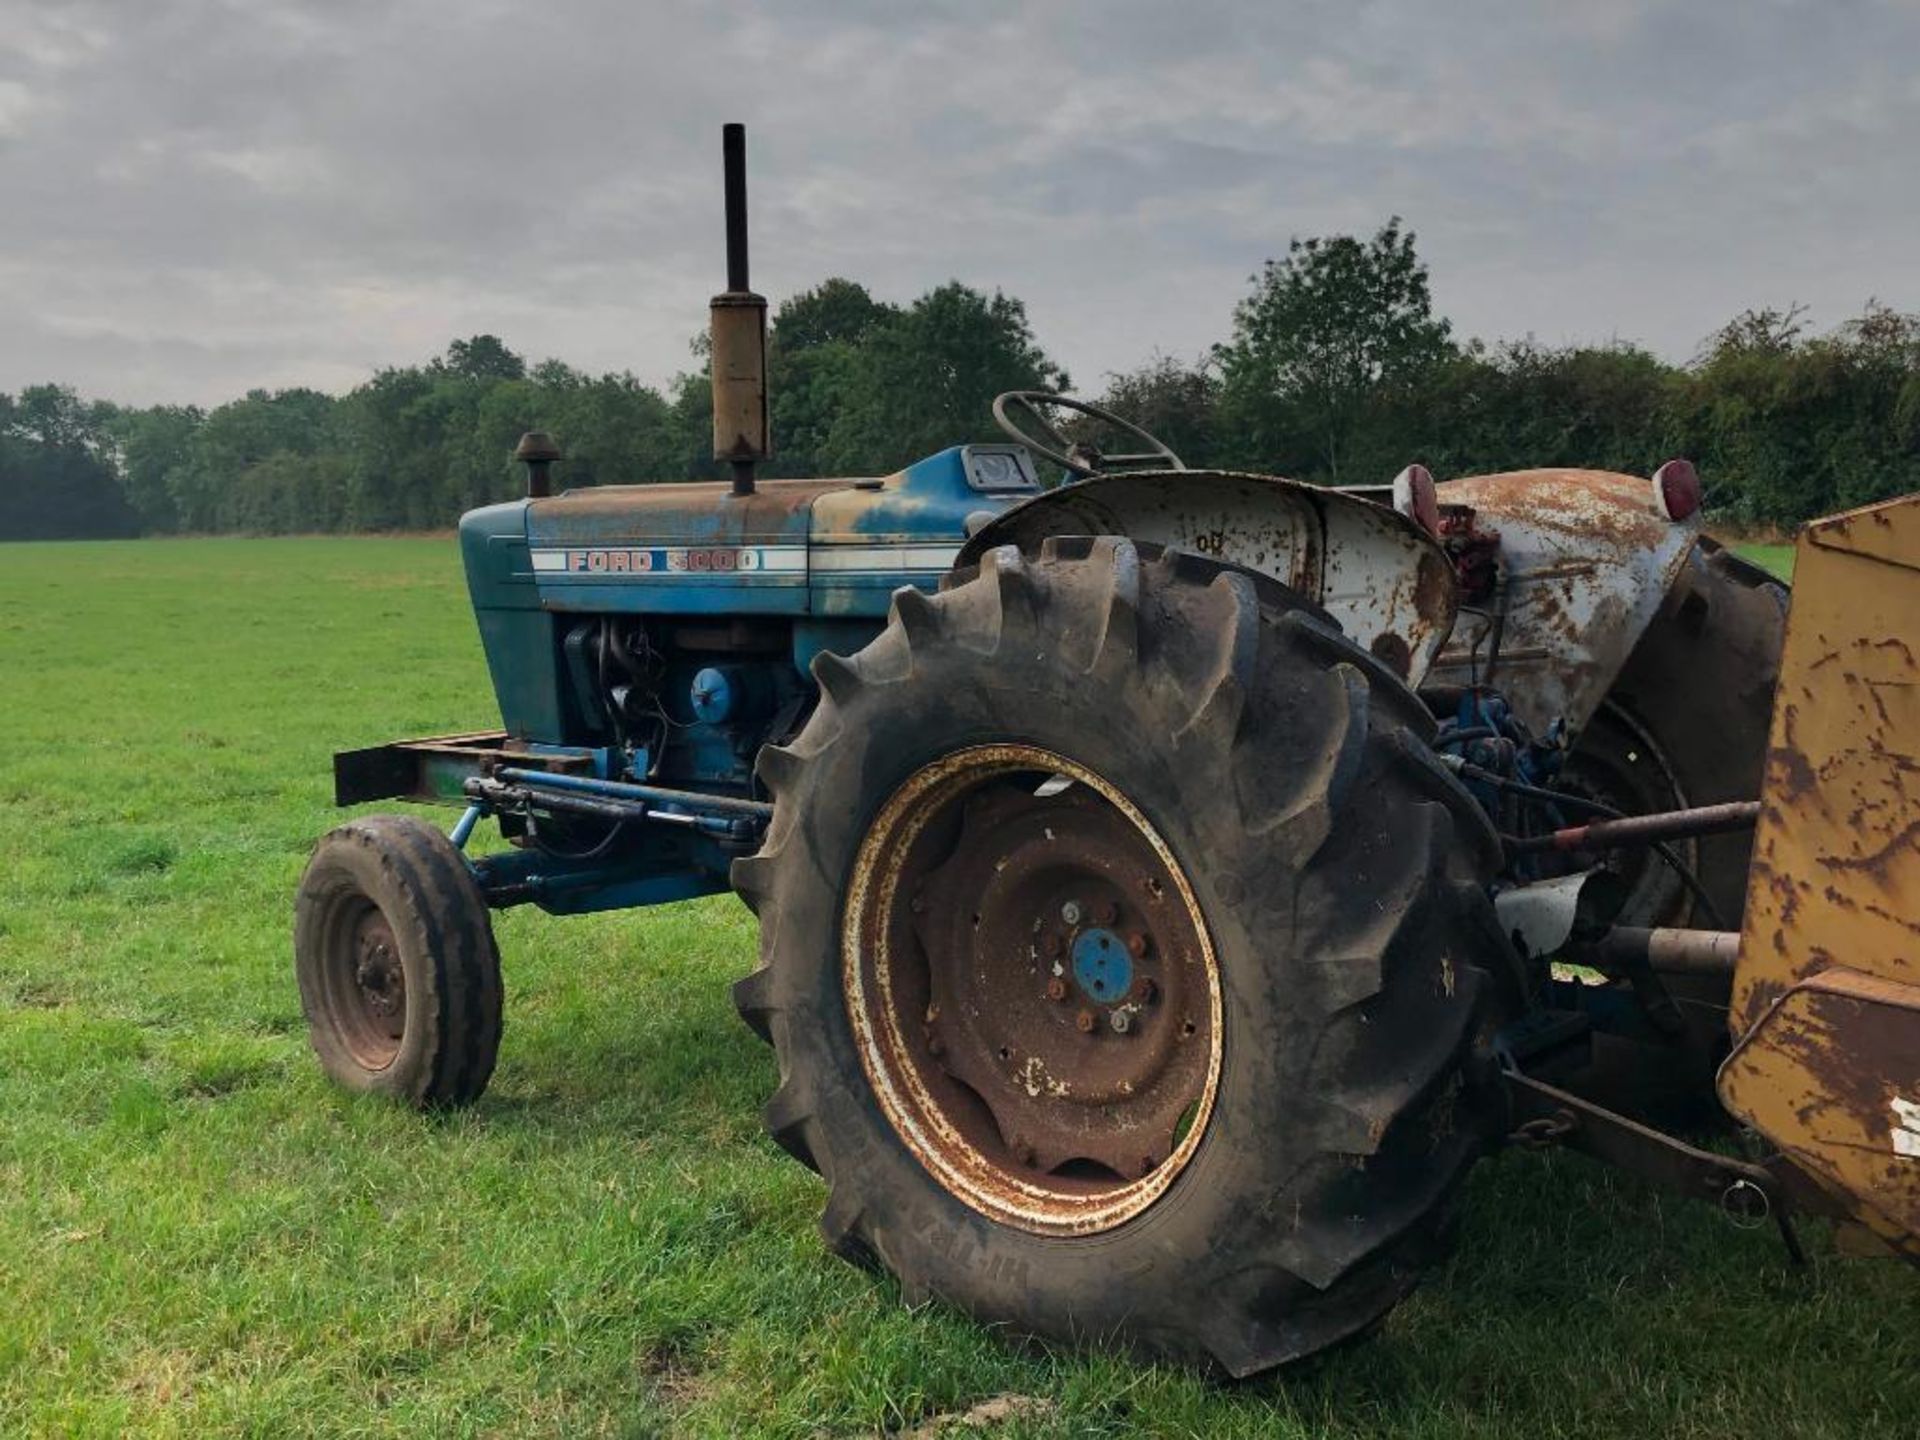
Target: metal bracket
1749,1194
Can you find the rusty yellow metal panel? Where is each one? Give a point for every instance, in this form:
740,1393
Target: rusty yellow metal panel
1826,1003
1832,1075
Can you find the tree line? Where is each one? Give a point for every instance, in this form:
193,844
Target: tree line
1336,370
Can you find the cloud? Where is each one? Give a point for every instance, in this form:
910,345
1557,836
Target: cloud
203,196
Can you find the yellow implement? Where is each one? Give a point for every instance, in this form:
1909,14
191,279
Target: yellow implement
1826,1000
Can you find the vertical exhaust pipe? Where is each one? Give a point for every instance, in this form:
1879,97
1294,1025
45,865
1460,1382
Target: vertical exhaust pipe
733,163
738,331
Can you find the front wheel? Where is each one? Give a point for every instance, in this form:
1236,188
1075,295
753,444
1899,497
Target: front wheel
1122,952
398,972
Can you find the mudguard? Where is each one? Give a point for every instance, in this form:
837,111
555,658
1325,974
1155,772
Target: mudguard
1385,579
1587,558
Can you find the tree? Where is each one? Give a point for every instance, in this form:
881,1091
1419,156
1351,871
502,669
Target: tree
483,357
57,480
1788,426
1523,405
1764,331
1178,404
1328,336
209,489
926,378
810,367
836,311
612,429
156,446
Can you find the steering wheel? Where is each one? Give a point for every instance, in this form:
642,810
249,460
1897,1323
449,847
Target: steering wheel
1079,456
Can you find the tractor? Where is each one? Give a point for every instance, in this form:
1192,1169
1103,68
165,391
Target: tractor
1171,882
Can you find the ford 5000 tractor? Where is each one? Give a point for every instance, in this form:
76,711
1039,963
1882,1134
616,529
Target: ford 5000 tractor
1170,882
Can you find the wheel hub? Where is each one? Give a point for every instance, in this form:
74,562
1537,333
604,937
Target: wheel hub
372,990
1041,1017
1101,964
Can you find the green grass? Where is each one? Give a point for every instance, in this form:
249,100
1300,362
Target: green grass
198,1236
1777,558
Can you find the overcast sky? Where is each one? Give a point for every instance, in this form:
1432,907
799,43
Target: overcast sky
196,198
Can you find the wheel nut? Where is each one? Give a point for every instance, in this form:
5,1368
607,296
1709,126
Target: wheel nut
1056,989
1122,1022
1053,945
1137,944
1085,1021
1070,912
1107,913
1145,991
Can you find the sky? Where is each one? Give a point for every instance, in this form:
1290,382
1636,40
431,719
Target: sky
199,198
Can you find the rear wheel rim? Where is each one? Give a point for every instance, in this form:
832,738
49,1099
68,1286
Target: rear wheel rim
1619,764
1033,990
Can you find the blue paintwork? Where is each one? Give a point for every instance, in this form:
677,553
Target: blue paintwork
463,828
1102,965
828,550
903,531
842,635
1484,732
715,821
733,694
715,694
517,635
564,887
825,555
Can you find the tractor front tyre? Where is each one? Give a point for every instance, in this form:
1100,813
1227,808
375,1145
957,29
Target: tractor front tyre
1121,947
399,976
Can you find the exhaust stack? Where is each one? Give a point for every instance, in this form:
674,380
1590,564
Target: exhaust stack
738,330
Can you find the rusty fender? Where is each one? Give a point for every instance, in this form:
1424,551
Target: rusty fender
1386,581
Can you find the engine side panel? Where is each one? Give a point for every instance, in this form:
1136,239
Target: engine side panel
818,560
516,632
675,549
868,541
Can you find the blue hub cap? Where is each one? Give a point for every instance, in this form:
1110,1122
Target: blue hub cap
1101,964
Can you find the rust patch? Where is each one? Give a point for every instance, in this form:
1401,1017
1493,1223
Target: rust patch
1875,862
1827,1016
1832,1075
1584,565
1008,1096
1793,775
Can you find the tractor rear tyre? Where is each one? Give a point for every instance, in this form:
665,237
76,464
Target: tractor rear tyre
1121,947
399,975
1686,724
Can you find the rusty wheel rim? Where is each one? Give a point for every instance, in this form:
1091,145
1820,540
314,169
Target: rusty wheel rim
1033,989
367,986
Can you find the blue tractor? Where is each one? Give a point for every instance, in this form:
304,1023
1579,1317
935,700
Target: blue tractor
1157,873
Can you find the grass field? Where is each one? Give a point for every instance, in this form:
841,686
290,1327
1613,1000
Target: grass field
199,1237
1777,558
